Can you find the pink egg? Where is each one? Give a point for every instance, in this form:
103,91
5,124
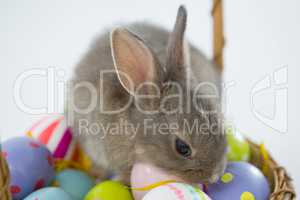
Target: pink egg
144,175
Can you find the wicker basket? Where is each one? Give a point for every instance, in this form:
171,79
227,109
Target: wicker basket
4,179
280,182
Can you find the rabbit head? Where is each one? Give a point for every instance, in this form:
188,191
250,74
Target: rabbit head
181,129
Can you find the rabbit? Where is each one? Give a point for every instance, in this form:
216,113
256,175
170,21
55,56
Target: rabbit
144,60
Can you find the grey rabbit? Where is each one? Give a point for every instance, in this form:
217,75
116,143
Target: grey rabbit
165,65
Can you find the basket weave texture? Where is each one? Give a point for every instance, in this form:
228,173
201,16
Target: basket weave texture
4,179
280,182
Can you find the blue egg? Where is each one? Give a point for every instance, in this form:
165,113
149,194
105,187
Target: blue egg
74,182
49,193
242,181
30,164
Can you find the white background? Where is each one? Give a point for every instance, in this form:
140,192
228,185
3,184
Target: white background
262,36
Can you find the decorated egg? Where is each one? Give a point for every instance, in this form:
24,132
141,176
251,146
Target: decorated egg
145,176
53,132
30,164
241,181
238,147
176,191
49,193
74,182
109,190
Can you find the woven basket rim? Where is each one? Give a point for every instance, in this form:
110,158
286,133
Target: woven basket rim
280,182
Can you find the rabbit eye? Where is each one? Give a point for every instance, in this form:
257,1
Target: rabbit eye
182,148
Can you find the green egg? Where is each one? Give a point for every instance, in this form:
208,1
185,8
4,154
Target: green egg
109,190
238,147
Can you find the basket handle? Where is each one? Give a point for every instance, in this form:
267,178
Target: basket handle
218,33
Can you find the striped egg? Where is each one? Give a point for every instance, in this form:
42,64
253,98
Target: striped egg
54,132
176,191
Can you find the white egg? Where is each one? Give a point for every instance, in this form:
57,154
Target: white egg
176,191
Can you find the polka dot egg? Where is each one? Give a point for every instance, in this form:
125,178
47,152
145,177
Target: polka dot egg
241,181
30,164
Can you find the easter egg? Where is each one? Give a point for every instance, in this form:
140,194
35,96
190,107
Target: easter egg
49,193
241,181
30,164
146,176
53,132
109,190
238,147
74,182
176,191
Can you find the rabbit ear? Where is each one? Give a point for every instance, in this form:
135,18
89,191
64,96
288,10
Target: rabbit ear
133,60
177,50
